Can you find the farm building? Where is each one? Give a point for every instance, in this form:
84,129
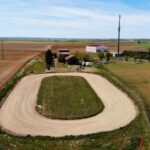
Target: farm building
94,49
72,60
63,53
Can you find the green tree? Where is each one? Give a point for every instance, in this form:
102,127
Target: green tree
83,56
101,56
108,56
48,58
87,57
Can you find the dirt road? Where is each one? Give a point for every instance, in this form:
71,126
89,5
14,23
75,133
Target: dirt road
18,115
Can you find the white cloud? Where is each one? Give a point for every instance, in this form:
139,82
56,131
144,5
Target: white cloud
57,19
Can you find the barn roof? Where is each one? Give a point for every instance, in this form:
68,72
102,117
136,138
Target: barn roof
102,48
69,57
64,51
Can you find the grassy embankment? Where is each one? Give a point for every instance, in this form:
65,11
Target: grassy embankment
64,97
136,75
135,135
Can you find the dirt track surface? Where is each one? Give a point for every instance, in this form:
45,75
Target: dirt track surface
18,115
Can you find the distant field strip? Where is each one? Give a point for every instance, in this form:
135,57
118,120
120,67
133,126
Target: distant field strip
18,115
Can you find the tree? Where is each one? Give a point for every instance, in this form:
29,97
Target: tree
126,58
87,58
55,55
108,55
83,56
101,56
135,57
148,57
48,58
139,42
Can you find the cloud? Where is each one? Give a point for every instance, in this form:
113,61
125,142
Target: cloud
72,19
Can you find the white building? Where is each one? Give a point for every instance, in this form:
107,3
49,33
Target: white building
115,53
94,49
91,49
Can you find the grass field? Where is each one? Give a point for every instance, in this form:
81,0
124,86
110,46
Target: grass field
137,75
63,97
37,66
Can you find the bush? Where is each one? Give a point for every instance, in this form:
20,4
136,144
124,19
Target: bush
108,56
87,57
136,54
9,86
83,56
136,57
134,143
101,56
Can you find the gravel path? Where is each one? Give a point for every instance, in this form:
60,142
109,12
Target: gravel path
18,115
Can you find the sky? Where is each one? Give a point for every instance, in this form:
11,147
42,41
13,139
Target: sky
74,18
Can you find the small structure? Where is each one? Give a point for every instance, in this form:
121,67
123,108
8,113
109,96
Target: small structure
115,53
88,64
102,49
72,60
96,48
63,53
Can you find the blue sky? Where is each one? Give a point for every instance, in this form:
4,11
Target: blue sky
74,18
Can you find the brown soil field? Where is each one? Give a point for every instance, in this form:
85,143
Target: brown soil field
18,53
72,46
36,46
13,61
81,46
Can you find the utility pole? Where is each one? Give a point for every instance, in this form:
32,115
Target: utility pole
119,29
2,44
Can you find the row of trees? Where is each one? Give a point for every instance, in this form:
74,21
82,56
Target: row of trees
136,55
105,56
87,58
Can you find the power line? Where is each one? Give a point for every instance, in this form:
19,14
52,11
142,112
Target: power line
119,29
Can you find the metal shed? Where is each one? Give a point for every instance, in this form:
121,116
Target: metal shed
102,49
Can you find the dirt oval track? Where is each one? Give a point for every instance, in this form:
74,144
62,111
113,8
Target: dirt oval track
19,117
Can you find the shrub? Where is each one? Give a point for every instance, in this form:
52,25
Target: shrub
136,54
108,56
134,143
83,56
101,56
